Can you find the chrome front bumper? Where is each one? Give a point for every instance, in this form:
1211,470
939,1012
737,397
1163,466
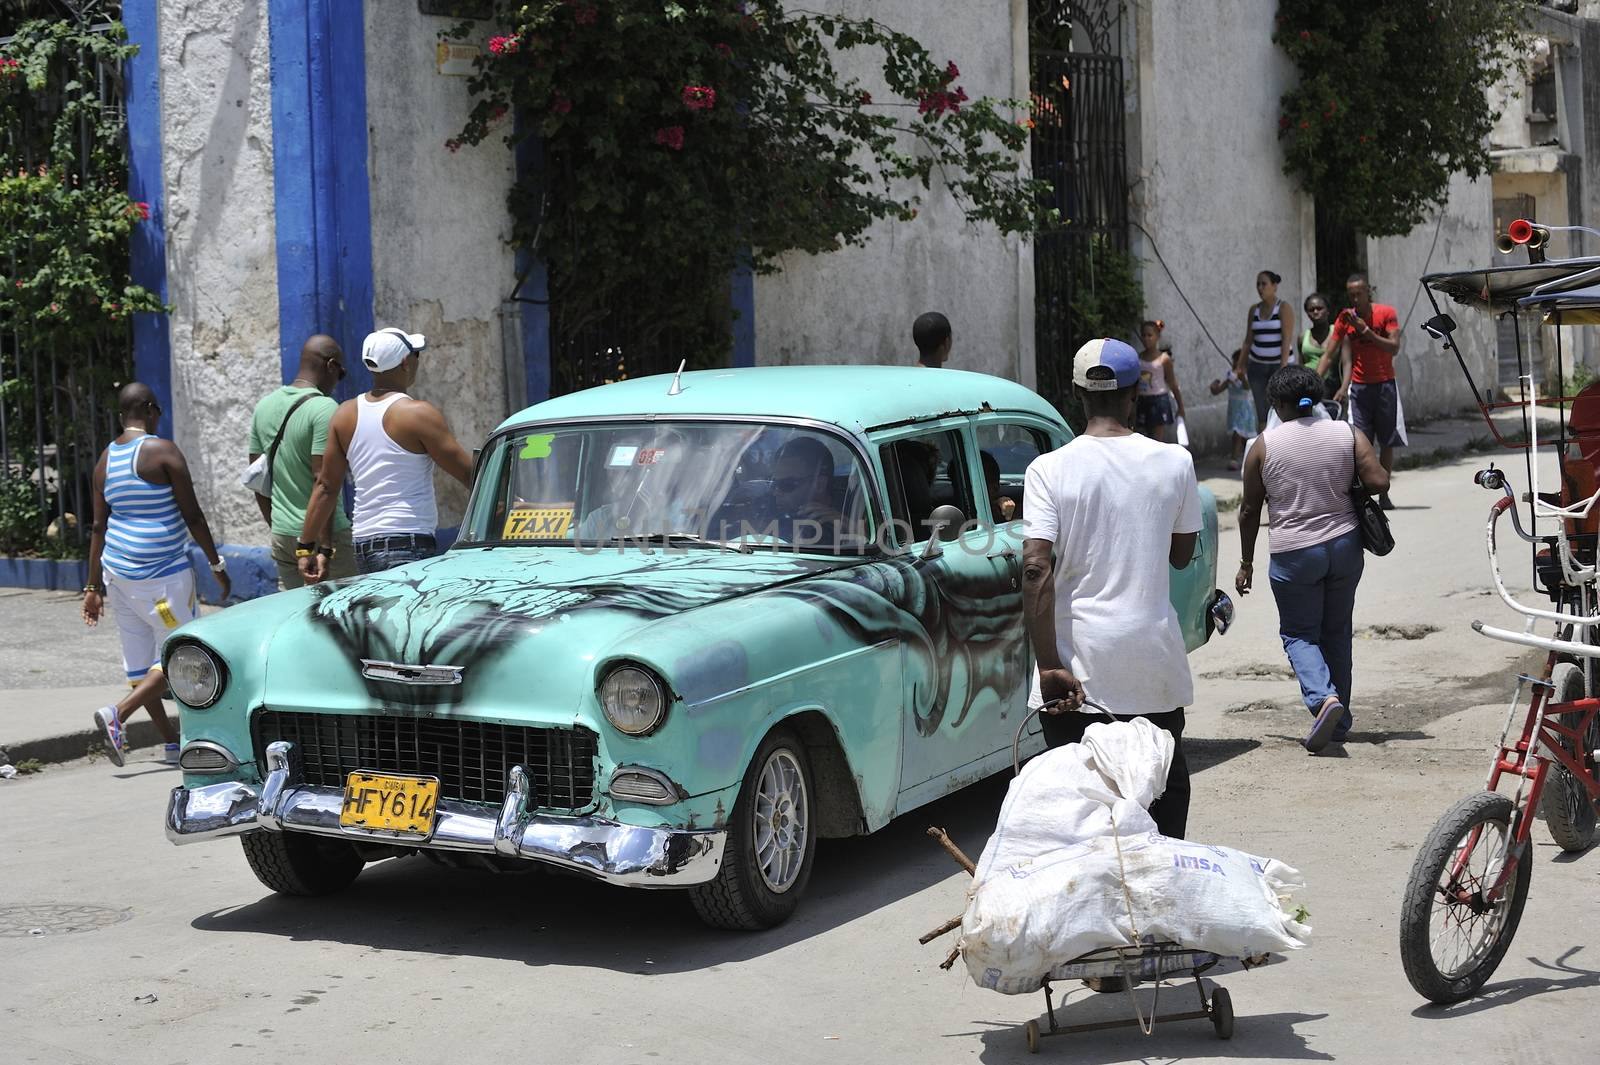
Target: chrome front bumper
613,852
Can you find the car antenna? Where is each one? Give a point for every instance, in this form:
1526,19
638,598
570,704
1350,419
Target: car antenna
677,383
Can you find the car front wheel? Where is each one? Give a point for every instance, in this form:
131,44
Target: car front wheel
293,863
771,842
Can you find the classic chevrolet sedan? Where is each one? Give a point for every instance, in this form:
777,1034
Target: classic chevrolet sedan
690,626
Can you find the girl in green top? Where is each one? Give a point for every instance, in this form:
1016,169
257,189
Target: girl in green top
1314,340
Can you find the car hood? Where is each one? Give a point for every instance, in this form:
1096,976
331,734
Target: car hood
524,625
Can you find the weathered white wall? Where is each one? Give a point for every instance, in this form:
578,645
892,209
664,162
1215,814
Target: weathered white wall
857,305
1430,381
441,264
216,130
1208,183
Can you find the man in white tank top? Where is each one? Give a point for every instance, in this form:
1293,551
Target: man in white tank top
390,443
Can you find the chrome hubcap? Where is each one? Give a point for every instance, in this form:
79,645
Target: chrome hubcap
781,828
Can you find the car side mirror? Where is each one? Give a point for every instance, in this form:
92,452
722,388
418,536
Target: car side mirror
945,524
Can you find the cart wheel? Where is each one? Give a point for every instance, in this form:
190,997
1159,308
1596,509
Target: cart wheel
1222,1013
1031,1030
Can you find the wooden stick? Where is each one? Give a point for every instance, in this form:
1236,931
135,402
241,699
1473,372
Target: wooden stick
955,952
949,926
954,851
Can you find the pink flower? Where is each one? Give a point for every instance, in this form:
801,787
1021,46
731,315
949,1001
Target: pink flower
670,137
55,307
144,210
504,45
699,97
561,105
951,72
1305,35
865,99
19,284
725,51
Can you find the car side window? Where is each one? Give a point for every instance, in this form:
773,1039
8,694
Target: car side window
924,472
1006,449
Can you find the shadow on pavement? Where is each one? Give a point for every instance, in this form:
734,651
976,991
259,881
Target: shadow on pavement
1267,1036
546,918
1564,977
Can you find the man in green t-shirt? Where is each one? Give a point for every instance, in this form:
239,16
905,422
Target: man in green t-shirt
299,459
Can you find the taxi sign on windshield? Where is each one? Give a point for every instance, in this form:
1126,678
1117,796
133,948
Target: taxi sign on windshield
543,521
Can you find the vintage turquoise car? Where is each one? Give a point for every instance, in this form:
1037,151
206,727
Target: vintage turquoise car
690,625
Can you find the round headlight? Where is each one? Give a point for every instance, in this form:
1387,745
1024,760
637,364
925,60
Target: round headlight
632,700
195,675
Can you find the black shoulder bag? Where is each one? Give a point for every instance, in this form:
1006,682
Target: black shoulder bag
1375,533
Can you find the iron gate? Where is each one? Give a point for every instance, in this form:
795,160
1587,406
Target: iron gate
57,408
1079,147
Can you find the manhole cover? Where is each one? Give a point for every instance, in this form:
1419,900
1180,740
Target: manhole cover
48,919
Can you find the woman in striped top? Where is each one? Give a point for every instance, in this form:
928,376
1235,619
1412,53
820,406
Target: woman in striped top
1303,470
1268,341
144,514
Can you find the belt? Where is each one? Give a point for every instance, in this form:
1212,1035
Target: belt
379,543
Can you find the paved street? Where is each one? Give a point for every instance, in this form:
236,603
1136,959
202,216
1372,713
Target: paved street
179,955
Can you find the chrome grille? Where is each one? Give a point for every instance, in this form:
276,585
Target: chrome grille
470,758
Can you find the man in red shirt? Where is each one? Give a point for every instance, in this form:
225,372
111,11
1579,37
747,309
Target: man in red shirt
1368,335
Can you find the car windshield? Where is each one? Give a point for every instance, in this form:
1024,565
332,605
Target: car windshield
748,486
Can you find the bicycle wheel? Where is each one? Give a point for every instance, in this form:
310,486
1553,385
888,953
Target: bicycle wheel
1451,940
1564,804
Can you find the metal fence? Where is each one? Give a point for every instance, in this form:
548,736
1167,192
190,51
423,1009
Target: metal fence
56,407
1079,147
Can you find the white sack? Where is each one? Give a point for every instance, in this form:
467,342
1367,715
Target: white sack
1050,886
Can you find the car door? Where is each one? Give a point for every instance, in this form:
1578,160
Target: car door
965,665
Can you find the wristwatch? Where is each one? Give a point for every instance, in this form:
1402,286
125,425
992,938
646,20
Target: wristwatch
97,589
220,565
325,550
304,548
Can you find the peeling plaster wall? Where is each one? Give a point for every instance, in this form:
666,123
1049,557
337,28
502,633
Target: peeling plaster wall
216,118
1430,381
1208,183
441,264
856,305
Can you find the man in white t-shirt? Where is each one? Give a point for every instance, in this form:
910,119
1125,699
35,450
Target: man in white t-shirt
1106,516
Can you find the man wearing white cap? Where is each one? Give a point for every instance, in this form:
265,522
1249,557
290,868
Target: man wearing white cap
390,443
1105,517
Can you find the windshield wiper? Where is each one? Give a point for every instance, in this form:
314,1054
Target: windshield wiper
681,538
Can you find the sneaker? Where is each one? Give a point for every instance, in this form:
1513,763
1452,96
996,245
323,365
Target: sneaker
1323,728
1384,503
170,752
110,726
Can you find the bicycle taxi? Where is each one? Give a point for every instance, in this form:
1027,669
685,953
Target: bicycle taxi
1470,878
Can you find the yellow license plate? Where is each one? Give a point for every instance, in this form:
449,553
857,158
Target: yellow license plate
390,804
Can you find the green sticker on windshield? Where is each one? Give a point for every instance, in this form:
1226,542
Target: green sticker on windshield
537,446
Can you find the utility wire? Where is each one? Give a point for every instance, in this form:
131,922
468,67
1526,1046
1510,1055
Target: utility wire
1179,288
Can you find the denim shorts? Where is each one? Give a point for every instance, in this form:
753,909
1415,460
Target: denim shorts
386,552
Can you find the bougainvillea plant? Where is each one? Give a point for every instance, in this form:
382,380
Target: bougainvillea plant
66,292
1392,100
680,139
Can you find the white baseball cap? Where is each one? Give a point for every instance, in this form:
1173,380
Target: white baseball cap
388,348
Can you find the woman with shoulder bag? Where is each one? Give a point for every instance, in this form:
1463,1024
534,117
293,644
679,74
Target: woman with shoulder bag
1305,470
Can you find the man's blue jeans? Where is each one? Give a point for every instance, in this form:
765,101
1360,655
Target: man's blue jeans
1316,592
386,552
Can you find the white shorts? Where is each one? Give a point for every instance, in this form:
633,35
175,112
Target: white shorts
146,612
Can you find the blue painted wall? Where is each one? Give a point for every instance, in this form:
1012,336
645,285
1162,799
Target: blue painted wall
152,344
321,191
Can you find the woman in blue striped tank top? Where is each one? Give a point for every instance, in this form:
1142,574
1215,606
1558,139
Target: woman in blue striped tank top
1268,341
144,514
